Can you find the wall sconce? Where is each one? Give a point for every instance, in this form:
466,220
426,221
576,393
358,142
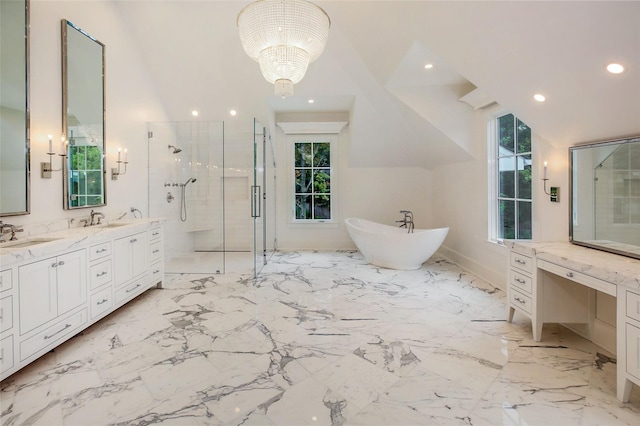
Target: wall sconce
46,167
554,191
117,172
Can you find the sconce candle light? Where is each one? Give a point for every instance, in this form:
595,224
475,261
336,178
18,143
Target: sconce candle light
46,167
554,192
115,172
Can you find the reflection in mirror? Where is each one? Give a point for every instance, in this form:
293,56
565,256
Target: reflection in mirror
83,118
605,196
14,108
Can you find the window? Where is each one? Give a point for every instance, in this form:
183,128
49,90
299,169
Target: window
312,179
512,146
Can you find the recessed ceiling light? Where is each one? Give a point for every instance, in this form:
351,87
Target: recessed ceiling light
233,112
194,113
311,101
615,68
428,66
539,97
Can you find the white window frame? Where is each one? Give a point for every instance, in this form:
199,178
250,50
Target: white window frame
332,139
492,175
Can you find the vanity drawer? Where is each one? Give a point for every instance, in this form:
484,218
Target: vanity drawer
127,292
155,234
522,262
156,273
101,302
6,353
100,274
521,301
579,277
6,281
633,305
52,336
6,313
99,251
521,281
155,253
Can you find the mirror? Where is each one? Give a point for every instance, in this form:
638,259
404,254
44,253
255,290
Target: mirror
605,196
14,108
83,112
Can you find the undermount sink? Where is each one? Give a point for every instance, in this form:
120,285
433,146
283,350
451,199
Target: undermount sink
26,243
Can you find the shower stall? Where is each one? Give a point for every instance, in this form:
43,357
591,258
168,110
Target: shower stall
215,186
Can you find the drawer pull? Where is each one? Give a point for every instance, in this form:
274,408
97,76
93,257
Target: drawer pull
57,332
156,271
520,262
519,280
1,311
156,251
100,302
517,299
155,234
103,273
1,354
102,250
131,289
569,274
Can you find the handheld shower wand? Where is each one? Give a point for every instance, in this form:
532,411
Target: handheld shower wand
183,201
175,149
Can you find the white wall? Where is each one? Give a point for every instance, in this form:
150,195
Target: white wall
460,201
376,194
130,102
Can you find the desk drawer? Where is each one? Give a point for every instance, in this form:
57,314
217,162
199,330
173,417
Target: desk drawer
521,301
101,302
579,277
521,281
522,262
633,305
53,335
155,234
128,292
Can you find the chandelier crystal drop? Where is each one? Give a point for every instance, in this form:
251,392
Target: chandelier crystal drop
283,36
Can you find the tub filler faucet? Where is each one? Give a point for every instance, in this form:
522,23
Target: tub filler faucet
407,220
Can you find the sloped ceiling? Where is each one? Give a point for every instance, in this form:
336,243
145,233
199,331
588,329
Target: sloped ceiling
402,115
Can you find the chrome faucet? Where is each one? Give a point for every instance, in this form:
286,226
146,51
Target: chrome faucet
95,214
407,220
6,228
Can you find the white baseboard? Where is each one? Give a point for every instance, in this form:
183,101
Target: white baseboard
496,278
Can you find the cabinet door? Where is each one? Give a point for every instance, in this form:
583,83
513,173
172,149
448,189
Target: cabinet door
37,293
72,280
139,251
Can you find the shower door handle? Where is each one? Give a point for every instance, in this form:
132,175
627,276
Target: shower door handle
255,201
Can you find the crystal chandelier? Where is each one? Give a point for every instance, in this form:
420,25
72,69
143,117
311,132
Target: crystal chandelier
283,36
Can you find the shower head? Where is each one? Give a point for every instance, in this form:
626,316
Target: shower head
190,180
175,149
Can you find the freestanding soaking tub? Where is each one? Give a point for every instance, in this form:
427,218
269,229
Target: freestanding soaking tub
393,247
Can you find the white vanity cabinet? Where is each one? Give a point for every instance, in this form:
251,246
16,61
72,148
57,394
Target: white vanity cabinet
557,283
51,287
50,292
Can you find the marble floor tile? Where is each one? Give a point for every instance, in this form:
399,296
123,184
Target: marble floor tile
319,338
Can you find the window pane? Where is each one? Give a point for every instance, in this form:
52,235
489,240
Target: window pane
506,224
94,183
524,137
524,176
82,184
322,207
302,154
94,158
505,134
634,211
620,208
506,184
303,206
524,220
620,184
321,181
303,180
321,157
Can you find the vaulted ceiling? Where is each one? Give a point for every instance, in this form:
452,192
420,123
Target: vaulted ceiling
403,115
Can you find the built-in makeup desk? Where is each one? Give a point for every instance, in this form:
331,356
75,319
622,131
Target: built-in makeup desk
557,283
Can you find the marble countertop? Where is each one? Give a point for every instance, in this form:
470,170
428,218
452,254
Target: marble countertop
53,243
613,268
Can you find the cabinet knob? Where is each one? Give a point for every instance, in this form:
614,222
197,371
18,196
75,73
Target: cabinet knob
133,240
61,263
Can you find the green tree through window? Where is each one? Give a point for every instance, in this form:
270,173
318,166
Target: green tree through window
514,178
312,168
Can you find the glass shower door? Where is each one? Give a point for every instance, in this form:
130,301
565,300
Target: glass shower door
258,196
